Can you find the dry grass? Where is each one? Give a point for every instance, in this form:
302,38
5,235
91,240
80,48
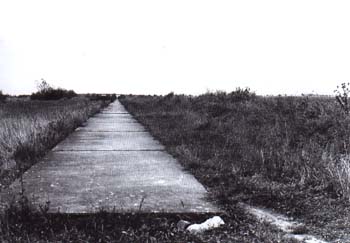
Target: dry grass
281,138
29,128
276,152
339,169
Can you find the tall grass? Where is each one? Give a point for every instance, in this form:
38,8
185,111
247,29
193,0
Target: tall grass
29,128
339,169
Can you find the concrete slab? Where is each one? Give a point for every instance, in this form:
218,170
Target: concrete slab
94,120
123,171
110,116
84,141
75,183
112,127
115,108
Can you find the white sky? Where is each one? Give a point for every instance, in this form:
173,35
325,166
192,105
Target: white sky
185,46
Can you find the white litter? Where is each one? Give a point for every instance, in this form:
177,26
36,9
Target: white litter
211,223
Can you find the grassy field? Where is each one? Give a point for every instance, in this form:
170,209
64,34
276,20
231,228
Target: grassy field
285,153
28,129
34,126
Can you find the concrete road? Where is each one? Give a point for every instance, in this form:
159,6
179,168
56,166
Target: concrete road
112,163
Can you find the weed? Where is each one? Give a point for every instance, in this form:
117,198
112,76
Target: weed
342,96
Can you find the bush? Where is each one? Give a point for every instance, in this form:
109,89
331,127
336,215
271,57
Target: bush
2,96
242,95
169,96
47,92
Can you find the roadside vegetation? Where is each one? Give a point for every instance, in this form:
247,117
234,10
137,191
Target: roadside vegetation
29,128
289,154
24,225
48,92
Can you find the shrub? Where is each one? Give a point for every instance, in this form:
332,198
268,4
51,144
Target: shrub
2,96
169,96
242,95
47,92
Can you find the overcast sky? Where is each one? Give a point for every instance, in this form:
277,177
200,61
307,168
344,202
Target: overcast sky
185,46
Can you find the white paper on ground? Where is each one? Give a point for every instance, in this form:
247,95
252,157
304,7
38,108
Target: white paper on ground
211,223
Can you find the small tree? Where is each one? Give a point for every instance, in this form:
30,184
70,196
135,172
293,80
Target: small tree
43,86
342,96
47,92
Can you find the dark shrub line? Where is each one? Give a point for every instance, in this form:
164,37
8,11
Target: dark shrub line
47,92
